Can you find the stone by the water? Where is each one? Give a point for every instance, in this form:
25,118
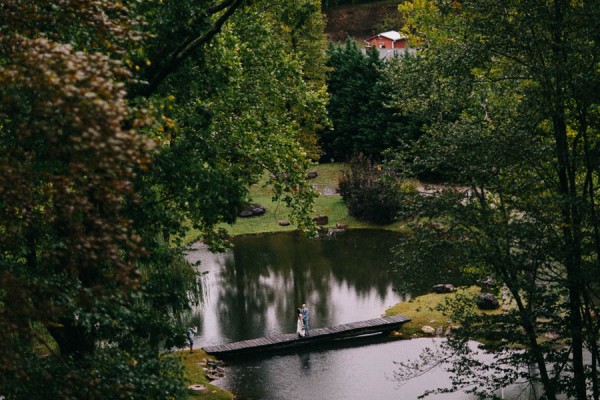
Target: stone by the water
428,330
443,288
321,219
197,388
487,301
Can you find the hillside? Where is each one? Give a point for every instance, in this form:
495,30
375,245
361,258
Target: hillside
362,20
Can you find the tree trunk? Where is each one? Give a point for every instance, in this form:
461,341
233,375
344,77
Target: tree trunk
571,215
534,348
571,243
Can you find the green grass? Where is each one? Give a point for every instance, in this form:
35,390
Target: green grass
423,310
194,374
330,205
329,173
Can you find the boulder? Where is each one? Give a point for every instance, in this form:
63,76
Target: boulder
443,288
487,283
428,330
197,388
451,329
341,225
283,222
334,231
253,210
321,219
312,174
487,301
259,211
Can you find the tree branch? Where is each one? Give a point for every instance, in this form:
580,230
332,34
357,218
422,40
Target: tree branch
221,6
189,45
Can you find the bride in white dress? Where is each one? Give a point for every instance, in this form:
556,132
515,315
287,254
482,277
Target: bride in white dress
299,325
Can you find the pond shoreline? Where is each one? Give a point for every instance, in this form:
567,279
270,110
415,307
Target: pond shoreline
409,331
345,279
421,310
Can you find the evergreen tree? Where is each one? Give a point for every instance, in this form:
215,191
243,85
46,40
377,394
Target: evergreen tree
359,109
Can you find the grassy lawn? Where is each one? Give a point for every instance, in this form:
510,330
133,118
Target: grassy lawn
330,205
423,310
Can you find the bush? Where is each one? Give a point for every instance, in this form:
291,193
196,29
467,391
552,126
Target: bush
373,194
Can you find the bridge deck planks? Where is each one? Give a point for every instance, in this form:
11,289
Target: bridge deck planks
317,335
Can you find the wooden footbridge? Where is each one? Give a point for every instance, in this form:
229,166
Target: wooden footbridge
319,335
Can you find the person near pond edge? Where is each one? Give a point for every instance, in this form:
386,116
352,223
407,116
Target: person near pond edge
191,333
299,324
304,313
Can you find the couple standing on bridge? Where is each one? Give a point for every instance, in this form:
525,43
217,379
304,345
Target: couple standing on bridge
302,324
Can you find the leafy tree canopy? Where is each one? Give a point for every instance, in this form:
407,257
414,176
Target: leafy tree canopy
122,126
511,98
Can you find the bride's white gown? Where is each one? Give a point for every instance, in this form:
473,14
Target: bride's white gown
300,327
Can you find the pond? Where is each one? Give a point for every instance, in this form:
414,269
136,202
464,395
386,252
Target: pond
253,291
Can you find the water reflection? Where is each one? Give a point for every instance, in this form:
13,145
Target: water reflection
254,290
364,371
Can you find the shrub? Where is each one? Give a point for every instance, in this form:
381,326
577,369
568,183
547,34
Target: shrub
373,194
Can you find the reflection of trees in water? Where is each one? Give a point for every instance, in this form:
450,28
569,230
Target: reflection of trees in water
284,270
243,301
265,272
412,278
362,259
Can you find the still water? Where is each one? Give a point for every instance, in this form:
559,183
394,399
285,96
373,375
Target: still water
254,290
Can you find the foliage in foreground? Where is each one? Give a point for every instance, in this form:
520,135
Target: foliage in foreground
123,125
511,95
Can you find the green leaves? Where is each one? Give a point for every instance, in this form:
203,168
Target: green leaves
363,121
508,120
122,127
246,106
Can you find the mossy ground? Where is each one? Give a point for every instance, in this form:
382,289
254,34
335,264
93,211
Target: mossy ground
195,374
425,310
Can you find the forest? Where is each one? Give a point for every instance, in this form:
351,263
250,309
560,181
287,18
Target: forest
127,126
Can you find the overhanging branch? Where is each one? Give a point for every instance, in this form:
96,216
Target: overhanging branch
189,45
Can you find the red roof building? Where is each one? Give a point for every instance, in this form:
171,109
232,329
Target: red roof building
387,40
